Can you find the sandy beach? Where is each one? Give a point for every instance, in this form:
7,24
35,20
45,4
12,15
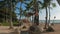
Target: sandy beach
56,27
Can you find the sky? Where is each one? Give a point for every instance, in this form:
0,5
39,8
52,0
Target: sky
54,12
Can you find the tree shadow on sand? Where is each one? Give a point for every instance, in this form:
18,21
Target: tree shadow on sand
4,33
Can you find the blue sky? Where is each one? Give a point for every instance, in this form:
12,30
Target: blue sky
54,12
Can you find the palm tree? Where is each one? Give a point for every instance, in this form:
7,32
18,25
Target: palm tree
34,4
36,18
22,12
53,5
49,15
12,5
58,2
21,9
46,4
5,6
11,24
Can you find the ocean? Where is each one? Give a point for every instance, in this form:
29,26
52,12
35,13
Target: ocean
51,21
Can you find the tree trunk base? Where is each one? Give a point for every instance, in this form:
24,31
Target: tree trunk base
49,29
11,28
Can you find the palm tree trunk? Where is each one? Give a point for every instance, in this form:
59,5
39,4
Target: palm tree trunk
6,12
36,18
49,14
20,13
11,24
32,19
46,19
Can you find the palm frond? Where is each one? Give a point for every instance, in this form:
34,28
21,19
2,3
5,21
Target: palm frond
58,2
53,5
40,2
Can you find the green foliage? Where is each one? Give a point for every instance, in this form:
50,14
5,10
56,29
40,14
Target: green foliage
5,11
2,3
47,2
53,4
5,24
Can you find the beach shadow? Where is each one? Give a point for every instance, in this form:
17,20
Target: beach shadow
4,33
13,33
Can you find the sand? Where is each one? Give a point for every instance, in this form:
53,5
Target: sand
56,27
4,30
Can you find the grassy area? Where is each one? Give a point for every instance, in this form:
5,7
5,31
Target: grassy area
7,24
